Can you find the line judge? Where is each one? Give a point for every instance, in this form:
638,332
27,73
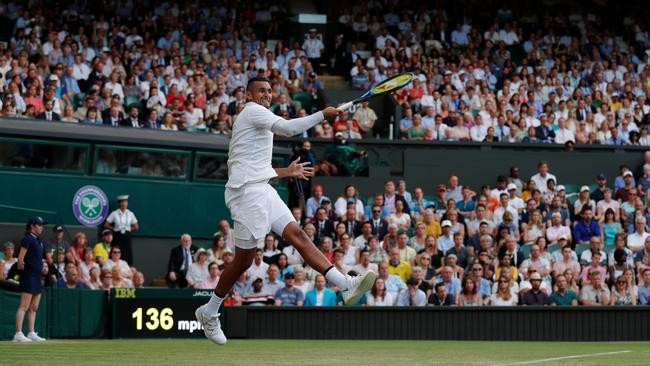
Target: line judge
123,222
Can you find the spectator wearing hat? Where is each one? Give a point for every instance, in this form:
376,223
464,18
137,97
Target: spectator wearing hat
514,201
57,243
584,200
289,295
180,260
30,262
123,222
446,239
601,185
198,270
101,250
535,296
256,295
313,47
622,193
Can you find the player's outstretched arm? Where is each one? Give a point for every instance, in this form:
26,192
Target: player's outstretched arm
295,126
296,170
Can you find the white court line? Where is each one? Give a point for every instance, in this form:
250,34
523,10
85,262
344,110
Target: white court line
564,358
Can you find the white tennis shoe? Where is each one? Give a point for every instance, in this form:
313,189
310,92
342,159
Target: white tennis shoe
19,337
358,286
33,336
211,326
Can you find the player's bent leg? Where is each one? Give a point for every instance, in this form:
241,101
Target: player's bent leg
208,314
353,287
294,235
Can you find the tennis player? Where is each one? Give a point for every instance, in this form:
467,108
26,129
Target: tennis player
255,206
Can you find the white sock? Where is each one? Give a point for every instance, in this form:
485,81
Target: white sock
213,305
337,278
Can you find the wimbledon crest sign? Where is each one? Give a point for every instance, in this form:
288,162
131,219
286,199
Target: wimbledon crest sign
90,206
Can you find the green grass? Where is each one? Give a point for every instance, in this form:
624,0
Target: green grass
311,352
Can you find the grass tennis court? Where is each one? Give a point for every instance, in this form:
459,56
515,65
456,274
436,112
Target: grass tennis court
310,352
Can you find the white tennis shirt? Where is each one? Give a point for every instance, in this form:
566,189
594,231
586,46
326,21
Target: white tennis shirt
251,146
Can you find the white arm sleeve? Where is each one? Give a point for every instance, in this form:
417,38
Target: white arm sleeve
297,125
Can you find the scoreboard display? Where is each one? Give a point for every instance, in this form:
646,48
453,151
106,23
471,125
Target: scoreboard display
156,313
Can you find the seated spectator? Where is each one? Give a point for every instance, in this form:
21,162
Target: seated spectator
644,290
272,282
504,295
452,284
534,296
564,296
116,261
257,296
119,281
71,280
258,268
138,280
180,259
320,295
470,294
412,296
198,270
102,249
106,278
95,283
594,246
289,295
398,266
364,263
567,261
621,294
636,240
595,293
394,284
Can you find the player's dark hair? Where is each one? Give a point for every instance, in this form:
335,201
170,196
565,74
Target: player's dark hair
255,79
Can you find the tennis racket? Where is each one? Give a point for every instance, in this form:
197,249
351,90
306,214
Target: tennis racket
391,84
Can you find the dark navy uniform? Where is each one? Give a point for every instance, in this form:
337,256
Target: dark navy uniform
30,279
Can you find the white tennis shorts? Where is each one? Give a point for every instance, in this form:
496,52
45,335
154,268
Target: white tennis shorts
256,209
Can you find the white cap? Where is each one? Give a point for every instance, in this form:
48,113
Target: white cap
446,223
628,173
584,189
512,186
123,197
560,188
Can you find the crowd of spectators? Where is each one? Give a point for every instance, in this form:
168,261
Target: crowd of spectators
521,242
524,77
75,264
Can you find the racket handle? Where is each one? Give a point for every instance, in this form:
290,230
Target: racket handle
343,107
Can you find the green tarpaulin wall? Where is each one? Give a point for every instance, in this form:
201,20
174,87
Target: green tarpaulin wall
63,313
